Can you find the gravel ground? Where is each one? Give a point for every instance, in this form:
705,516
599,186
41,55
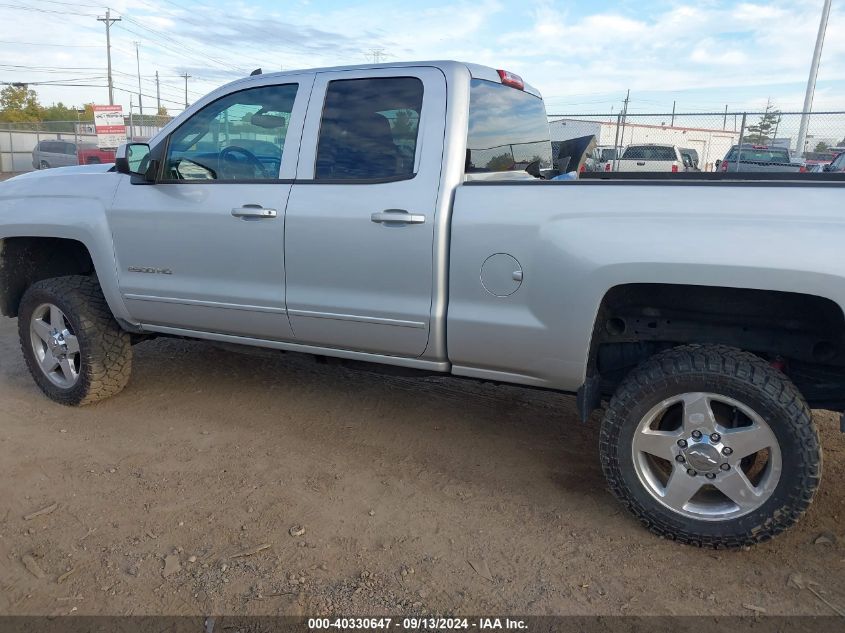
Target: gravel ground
225,483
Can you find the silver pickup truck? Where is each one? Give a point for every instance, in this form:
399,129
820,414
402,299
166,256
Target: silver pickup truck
396,214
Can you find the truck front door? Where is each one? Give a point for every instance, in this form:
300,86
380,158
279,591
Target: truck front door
360,219
203,247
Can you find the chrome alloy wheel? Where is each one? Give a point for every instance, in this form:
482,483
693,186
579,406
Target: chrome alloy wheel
707,456
55,346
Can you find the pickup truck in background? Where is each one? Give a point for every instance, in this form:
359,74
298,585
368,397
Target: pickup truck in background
651,157
397,214
759,158
90,154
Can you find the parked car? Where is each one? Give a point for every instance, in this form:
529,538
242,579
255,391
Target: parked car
707,318
759,158
90,154
651,157
690,157
54,153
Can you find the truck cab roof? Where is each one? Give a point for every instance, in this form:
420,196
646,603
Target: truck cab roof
476,71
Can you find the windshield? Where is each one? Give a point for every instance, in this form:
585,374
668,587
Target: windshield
757,155
508,129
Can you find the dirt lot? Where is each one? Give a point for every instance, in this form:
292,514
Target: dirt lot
415,495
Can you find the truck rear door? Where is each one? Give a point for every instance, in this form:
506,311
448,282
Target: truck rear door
360,218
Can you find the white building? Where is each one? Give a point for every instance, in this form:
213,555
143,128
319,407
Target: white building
711,145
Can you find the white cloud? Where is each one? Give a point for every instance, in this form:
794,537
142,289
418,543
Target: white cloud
571,55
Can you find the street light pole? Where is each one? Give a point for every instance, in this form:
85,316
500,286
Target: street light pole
811,82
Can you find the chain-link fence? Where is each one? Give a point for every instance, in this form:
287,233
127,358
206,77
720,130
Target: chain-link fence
760,141
703,141
19,140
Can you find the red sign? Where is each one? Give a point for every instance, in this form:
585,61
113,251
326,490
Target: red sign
108,123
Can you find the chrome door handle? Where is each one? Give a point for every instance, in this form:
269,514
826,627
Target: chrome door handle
397,216
253,211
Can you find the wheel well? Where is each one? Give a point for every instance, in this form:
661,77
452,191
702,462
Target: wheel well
804,335
25,260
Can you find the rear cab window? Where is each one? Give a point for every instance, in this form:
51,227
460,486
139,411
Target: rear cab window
759,155
508,129
650,153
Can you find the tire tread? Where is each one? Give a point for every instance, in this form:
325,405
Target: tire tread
105,347
734,365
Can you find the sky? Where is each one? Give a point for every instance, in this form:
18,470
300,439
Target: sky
583,56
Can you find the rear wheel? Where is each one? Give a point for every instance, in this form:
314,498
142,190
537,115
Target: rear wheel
711,446
43,165
75,350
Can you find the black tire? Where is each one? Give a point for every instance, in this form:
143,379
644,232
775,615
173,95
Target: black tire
738,375
43,165
105,352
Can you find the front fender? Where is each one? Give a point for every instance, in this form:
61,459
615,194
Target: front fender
67,203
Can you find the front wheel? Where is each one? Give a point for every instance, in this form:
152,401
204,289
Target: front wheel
75,350
711,446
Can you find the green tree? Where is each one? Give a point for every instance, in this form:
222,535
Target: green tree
766,128
403,125
821,146
162,111
501,162
19,104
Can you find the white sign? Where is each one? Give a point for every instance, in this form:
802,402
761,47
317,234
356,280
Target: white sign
108,123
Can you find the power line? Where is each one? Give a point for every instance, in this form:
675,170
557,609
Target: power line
40,10
44,44
133,91
202,54
155,42
50,68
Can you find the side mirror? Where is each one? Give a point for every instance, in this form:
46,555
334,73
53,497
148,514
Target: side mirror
133,159
533,168
826,167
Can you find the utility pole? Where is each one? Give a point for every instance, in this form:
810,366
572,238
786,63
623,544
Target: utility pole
672,124
108,20
377,54
186,76
811,82
158,95
725,120
138,61
621,136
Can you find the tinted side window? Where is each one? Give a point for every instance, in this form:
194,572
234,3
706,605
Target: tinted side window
50,147
238,137
369,129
